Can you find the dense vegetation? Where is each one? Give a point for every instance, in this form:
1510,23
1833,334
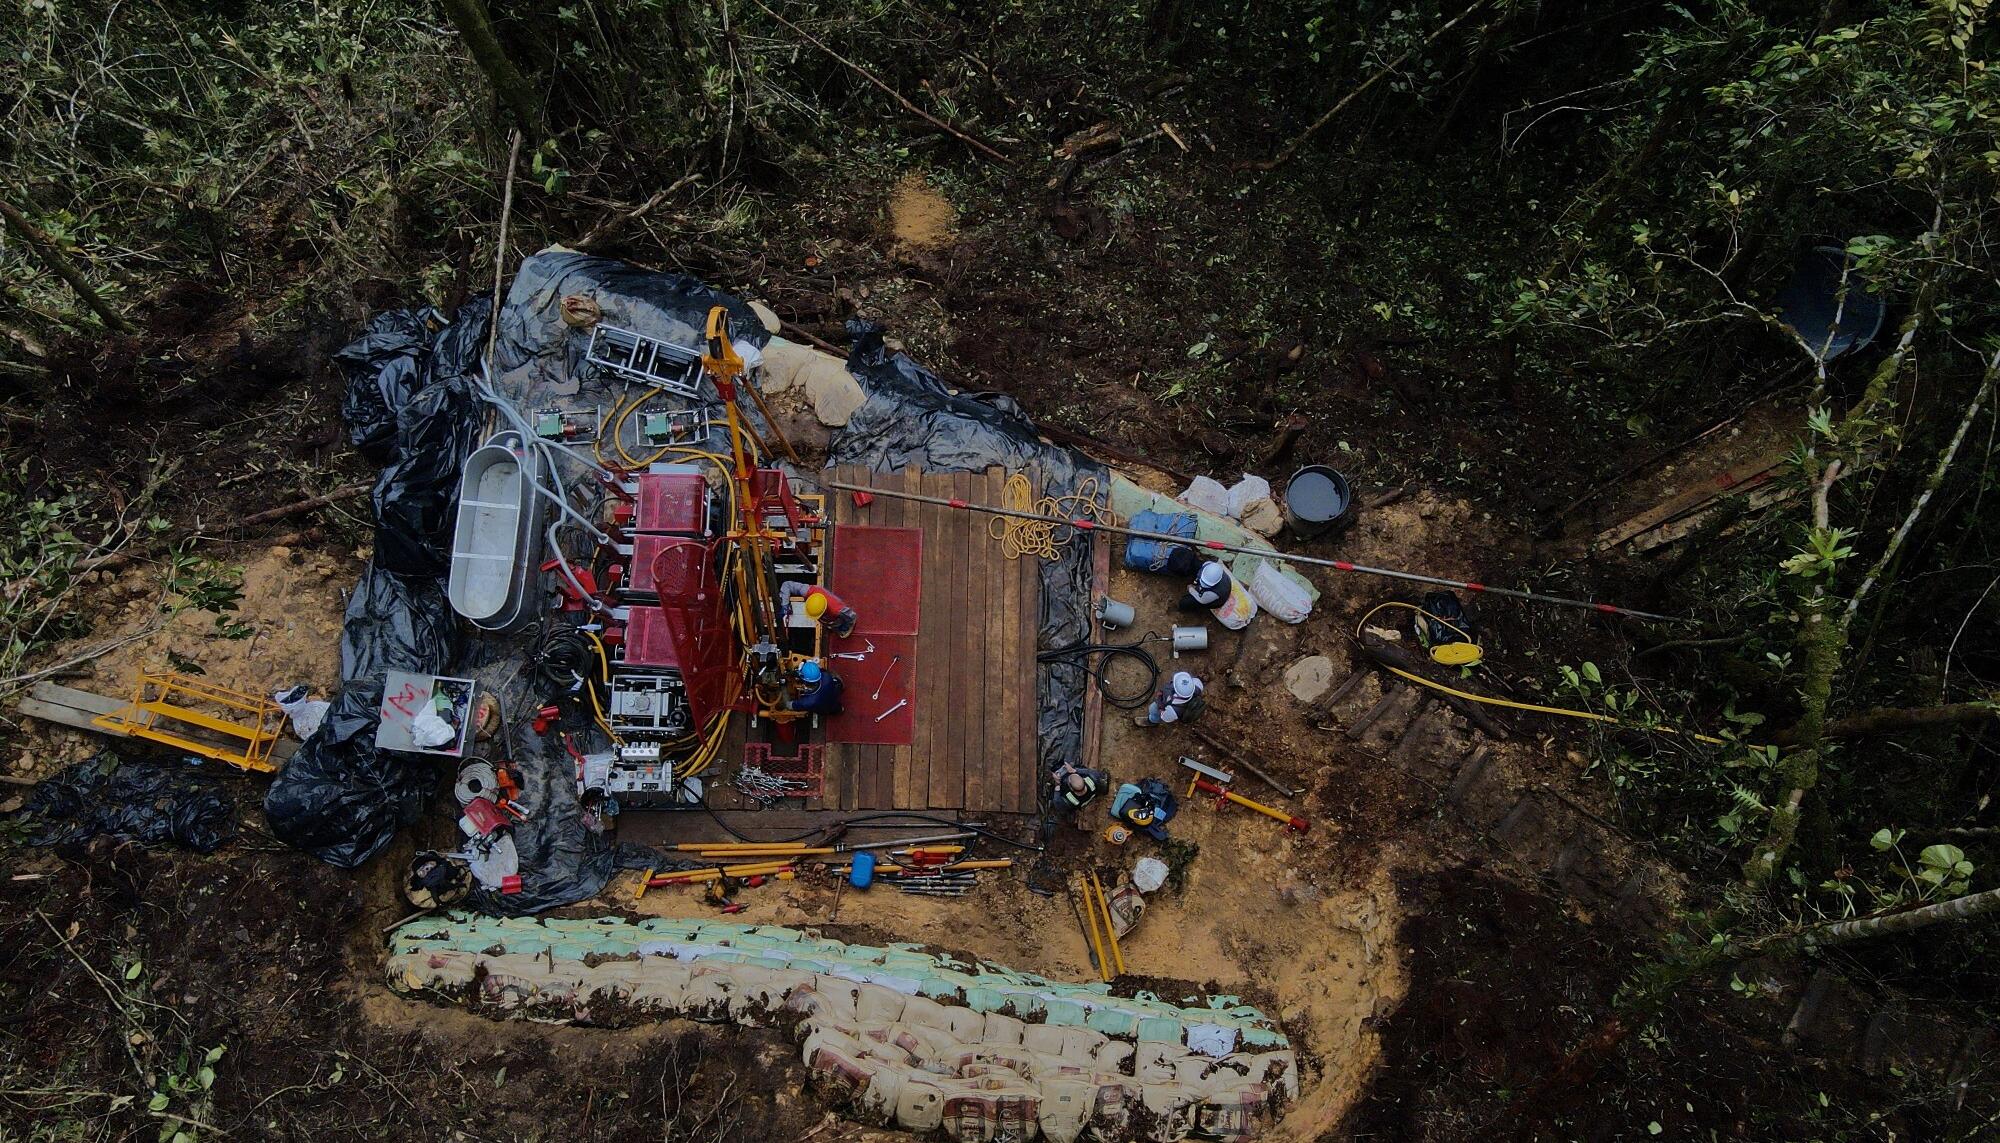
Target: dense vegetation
1551,219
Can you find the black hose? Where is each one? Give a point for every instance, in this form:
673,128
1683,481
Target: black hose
1074,654
1003,839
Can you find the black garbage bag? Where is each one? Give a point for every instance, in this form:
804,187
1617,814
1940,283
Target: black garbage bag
397,623
384,369
416,496
339,798
461,345
143,802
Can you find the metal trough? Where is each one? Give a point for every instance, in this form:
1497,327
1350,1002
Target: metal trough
495,550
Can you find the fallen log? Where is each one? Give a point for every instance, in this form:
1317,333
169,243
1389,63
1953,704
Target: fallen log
118,560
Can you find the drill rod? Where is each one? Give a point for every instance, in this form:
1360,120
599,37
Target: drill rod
1087,525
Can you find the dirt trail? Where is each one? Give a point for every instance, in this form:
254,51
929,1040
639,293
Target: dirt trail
919,217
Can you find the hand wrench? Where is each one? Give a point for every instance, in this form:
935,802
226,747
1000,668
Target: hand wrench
900,704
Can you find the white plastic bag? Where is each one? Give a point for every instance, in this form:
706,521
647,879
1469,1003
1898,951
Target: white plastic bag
1246,492
306,714
1279,595
1207,495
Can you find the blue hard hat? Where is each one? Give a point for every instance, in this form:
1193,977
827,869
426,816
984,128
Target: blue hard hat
809,671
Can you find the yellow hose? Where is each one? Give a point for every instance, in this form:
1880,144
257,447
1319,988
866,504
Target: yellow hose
1509,703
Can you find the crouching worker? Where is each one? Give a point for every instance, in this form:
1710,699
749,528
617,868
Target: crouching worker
819,690
1218,592
1076,786
1178,701
822,606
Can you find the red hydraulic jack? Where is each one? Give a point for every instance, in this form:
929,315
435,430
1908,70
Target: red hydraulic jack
1224,796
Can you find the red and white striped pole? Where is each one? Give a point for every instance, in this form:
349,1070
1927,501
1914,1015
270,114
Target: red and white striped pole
1088,525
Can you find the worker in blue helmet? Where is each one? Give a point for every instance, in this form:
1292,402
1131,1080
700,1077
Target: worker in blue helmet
818,689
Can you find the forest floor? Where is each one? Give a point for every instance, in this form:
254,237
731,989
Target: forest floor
1146,307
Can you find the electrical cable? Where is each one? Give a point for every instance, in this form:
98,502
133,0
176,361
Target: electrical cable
1069,656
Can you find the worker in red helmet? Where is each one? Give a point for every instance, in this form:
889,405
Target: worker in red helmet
822,606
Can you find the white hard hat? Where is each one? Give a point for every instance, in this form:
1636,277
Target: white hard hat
1212,575
1185,684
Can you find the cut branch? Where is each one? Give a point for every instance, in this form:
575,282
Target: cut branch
50,254
1965,908
1884,720
616,223
1292,148
864,73
1931,486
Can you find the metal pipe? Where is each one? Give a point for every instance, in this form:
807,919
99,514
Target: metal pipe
1087,525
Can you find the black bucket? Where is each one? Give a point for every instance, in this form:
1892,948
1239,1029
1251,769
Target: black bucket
1318,501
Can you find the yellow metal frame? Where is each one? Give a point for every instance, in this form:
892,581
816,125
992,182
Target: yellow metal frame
163,699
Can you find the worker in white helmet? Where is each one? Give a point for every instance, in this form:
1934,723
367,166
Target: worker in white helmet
1178,701
1215,590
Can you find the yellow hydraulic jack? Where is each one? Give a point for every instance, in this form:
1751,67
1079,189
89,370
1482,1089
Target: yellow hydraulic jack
1209,780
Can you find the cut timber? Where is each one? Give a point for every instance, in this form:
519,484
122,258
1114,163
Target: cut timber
1323,709
1469,772
1759,499
74,708
1741,478
1359,726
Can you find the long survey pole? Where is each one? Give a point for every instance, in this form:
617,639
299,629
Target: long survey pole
1088,525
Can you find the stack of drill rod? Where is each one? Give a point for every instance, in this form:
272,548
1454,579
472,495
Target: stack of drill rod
941,884
758,861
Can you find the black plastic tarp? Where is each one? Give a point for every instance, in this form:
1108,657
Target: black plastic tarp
912,418
338,797
145,802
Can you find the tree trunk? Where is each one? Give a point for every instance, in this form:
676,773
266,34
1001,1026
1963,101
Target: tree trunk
1966,908
51,255
1882,720
475,27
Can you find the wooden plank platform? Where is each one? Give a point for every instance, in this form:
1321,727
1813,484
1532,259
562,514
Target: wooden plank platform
975,746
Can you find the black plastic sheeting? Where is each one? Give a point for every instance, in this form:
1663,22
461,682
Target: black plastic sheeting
339,798
144,802
912,418
384,369
344,799
396,623
416,496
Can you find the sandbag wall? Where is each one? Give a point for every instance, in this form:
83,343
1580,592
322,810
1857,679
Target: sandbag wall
974,1053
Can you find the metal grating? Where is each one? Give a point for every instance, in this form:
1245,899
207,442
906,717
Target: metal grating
675,368
808,766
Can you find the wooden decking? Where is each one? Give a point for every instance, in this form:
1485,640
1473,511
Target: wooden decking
975,746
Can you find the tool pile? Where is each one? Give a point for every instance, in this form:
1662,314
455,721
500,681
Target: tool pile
920,866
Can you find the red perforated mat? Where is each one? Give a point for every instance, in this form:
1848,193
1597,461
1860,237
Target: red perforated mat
876,572
859,704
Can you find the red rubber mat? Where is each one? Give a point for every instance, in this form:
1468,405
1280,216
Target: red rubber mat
876,571
856,721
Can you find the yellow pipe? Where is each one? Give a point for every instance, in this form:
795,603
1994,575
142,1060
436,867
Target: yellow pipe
1110,931
1090,920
